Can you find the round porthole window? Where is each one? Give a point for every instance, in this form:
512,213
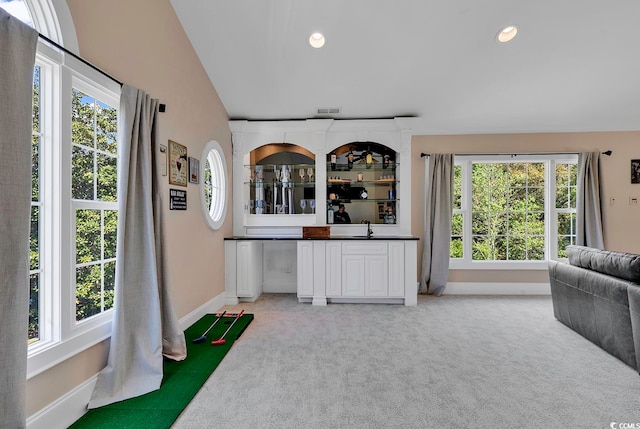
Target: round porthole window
213,188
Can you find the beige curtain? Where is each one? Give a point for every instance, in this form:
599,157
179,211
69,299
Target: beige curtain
144,325
17,58
437,223
588,207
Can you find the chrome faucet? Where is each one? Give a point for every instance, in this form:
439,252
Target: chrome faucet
369,231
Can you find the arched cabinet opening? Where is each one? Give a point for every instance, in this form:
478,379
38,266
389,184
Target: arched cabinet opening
280,179
362,184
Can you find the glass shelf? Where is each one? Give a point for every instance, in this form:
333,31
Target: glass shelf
331,183
376,166
289,184
361,200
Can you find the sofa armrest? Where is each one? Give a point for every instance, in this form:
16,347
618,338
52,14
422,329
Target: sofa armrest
633,292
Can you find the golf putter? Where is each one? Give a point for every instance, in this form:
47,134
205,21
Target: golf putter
203,337
221,340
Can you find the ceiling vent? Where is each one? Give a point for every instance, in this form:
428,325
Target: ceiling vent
328,110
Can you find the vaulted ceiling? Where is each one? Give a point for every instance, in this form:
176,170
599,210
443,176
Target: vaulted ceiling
573,66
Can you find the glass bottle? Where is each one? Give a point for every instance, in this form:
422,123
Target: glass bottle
334,159
329,214
350,160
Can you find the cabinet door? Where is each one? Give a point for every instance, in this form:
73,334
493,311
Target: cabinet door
305,269
245,265
334,269
352,275
396,268
376,275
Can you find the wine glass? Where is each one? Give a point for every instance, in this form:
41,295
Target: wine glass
251,206
301,175
312,204
277,175
310,173
303,204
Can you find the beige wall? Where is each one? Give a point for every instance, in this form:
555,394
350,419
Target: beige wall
621,222
143,44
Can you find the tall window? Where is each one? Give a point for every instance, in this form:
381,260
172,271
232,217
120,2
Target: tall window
35,270
73,200
512,209
94,188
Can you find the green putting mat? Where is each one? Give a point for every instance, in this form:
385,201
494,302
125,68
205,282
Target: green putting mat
181,381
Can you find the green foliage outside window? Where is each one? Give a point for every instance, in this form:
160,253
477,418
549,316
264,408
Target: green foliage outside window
456,249
508,210
566,190
208,187
34,233
94,178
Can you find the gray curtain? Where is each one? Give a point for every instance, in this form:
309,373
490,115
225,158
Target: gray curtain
17,58
437,225
588,208
144,325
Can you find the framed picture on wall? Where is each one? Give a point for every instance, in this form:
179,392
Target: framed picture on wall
194,170
177,164
635,171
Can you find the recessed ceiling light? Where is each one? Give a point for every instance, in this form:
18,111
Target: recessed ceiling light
507,34
316,40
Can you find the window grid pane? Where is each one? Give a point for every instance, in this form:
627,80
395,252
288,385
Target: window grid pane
508,211
94,181
35,242
566,189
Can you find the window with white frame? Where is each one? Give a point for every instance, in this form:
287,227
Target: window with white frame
94,200
73,206
214,185
512,210
35,268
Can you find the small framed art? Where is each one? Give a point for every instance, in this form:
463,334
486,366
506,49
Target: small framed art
194,170
635,171
177,164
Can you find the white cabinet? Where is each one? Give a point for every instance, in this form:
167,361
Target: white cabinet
334,269
243,270
353,275
305,269
365,268
396,268
357,271
376,272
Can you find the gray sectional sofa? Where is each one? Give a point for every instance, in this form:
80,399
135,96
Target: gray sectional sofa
597,294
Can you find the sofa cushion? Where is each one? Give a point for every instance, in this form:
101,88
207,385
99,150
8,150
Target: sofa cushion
618,264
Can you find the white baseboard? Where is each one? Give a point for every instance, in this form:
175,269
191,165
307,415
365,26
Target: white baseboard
65,410
72,405
470,288
211,306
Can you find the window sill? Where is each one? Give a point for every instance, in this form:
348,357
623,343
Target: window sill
47,355
498,266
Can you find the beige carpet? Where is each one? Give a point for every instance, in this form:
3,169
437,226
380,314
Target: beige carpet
450,362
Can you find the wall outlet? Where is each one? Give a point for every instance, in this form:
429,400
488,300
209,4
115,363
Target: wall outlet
633,201
612,201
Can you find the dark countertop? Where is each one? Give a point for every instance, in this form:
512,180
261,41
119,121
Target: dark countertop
338,237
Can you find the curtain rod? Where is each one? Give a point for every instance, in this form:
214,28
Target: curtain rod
77,57
606,152
161,107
